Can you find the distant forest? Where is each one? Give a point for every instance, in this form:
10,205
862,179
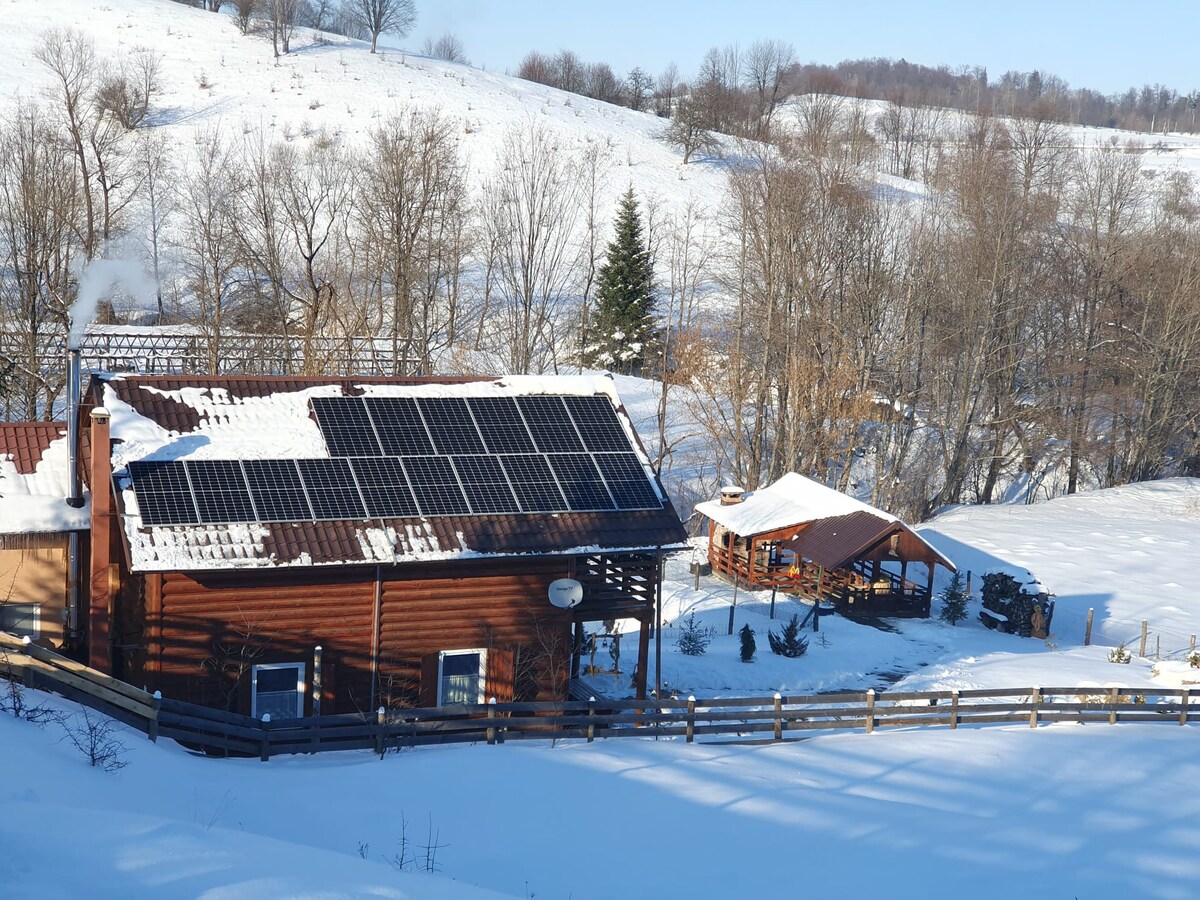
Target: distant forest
737,74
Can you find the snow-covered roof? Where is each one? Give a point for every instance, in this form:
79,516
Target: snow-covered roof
792,500
34,482
242,418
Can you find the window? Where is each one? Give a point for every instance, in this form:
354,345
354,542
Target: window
21,619
461,675
277,689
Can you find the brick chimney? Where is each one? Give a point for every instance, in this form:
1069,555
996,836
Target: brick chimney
731,495
99,630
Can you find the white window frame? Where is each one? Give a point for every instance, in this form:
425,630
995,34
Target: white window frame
35,615
482,653
301,685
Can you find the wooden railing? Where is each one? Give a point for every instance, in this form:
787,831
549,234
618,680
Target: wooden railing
774,718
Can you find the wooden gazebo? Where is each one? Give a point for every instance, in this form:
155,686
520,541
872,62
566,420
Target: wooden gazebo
800,536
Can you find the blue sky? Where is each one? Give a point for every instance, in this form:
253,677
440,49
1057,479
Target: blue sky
1102,44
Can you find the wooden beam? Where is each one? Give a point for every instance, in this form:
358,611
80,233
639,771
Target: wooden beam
643,658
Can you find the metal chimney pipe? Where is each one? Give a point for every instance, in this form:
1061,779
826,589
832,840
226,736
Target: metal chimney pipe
75,490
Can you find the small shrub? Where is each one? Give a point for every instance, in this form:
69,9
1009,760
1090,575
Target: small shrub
1119,654
694,638
93,736
1194,660
748,646
789,642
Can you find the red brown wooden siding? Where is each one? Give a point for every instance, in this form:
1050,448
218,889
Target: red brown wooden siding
505,606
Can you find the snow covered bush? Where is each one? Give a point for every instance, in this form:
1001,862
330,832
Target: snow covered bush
789,642
694,638
1119,654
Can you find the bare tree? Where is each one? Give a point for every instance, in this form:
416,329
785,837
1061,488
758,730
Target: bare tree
378,17
687,131
765,65
244,12
532,209
281,16
157,191
128,88
448,47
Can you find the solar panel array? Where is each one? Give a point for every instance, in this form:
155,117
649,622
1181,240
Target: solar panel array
397,457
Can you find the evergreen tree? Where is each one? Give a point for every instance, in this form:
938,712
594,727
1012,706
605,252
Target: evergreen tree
954,600
748,645
622,336
789,642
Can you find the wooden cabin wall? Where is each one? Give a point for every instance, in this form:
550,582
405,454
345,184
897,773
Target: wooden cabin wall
33,571
461,606
211,629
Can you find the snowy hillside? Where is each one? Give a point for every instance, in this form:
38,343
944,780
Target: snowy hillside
213,76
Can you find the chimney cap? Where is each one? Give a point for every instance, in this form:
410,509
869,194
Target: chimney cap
100,414
733,489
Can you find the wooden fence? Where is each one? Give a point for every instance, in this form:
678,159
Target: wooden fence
740,719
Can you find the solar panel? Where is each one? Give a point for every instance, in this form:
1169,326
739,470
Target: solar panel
435,486
345,425
550,424
277,491
627,481
450,425
485,484
533,483
399,427
383,486
598,424
331,489
501,424
163,494
220,491
580,481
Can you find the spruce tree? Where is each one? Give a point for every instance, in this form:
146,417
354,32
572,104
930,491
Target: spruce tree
954,600
622,336
748,643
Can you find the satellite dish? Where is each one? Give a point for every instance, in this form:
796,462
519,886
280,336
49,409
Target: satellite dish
565,593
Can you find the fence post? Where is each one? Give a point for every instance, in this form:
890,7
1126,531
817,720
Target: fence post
591,716
953,709
1183,707
778,716
1035,701
152,730
265,747
870,710
691,719
317,682
491,729
1087,634
1192,646
381,721
1142,651
1112,705
1158,646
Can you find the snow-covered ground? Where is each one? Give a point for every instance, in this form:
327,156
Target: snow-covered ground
1065,811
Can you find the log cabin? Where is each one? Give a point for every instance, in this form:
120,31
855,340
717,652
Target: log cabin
802,537
41,531
301,546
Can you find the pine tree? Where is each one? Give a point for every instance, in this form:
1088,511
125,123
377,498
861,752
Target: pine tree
789,641
694,638
622,335
748,645
954,600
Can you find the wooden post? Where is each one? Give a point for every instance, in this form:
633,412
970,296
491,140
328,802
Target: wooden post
1035,701
968,583
691,719
380,735
1087,634
1142,649
870,710
778,716
643,663
953,709
820,582
774,588
152,729
1183,706
733,606
591,731
491,729
1158,646
1192,646
265,746
1112,705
